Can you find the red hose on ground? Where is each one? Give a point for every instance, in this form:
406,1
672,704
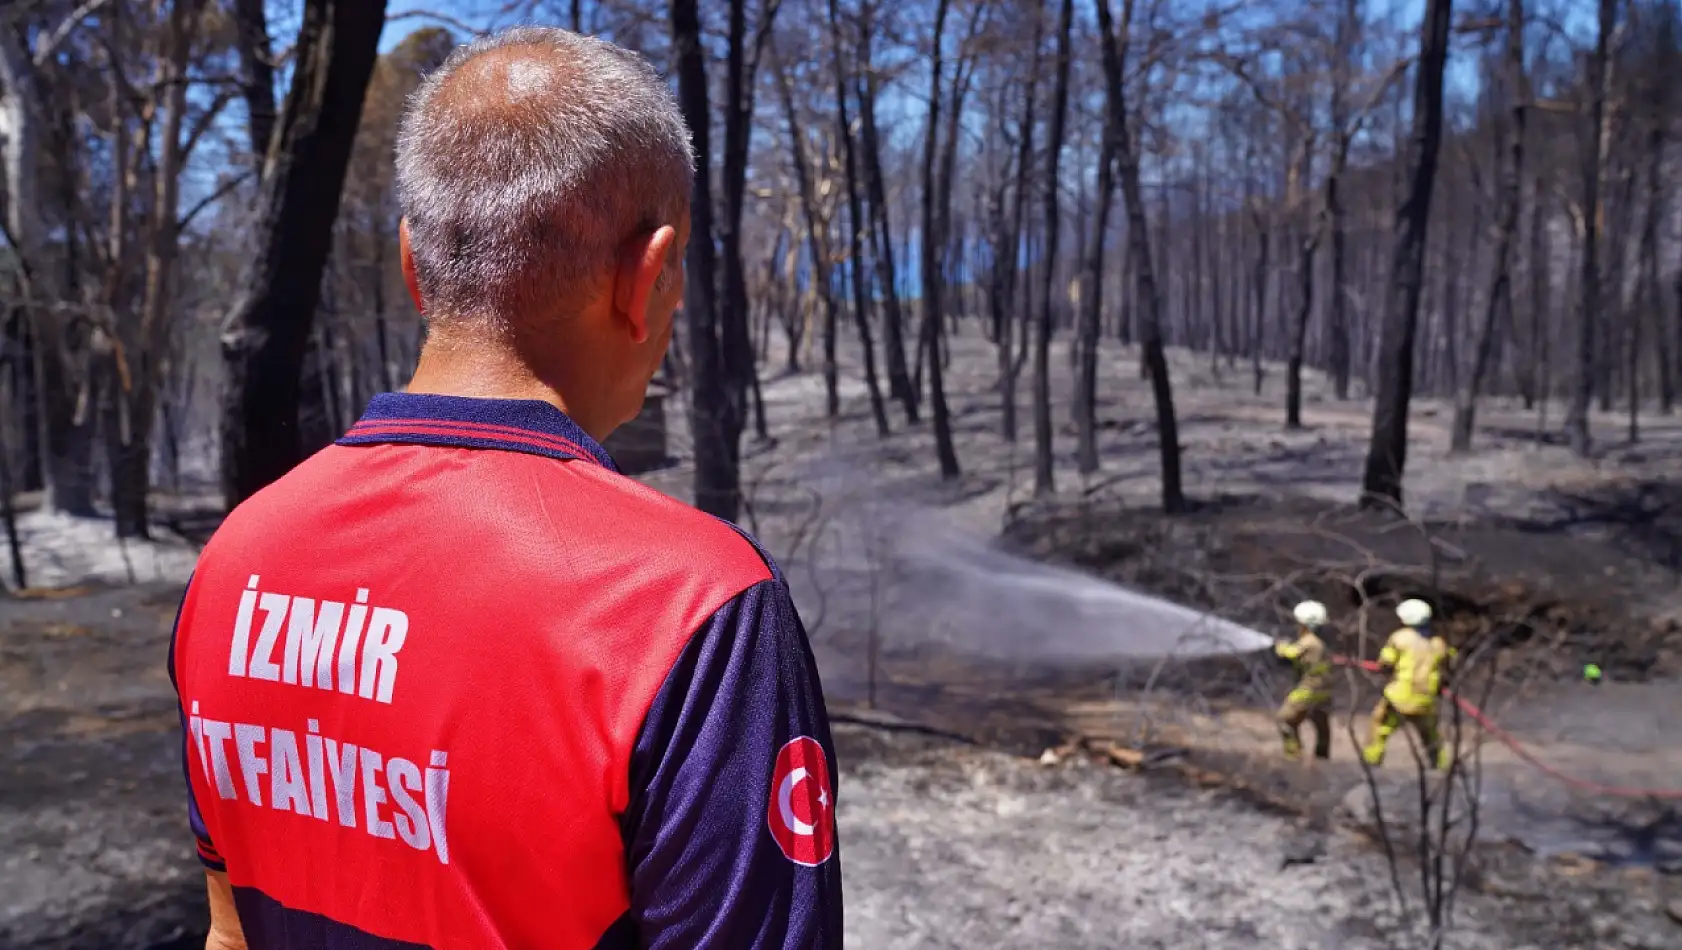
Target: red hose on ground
1507,739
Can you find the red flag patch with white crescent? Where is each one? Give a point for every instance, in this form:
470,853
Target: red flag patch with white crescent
801,813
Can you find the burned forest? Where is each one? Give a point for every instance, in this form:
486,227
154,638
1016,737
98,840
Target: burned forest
1057,350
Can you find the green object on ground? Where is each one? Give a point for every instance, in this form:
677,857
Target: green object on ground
1591,672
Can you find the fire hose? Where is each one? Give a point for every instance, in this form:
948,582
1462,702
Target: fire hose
1518,748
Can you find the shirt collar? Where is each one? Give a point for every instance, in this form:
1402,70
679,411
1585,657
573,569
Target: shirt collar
513,425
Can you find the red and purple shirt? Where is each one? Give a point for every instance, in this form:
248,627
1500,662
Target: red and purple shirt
454,682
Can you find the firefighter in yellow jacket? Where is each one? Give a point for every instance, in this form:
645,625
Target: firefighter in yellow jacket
1311,699
1415,657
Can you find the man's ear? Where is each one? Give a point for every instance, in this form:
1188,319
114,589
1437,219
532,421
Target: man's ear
640,267
407,257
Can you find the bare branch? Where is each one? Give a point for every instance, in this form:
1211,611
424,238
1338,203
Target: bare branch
222,190
205,121
49,44
444,18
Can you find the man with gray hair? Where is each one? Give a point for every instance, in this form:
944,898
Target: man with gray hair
455,682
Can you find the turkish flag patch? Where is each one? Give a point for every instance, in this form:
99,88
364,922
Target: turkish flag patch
801,814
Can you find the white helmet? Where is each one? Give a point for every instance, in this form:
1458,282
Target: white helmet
1413,612
1311,614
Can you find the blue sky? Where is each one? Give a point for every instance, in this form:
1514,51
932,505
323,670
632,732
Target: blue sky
1577,15
481,14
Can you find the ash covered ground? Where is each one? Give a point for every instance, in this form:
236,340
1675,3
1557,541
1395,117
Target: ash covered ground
951,847
951,844
945,844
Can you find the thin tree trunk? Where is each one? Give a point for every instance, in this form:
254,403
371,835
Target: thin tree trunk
1674,350
817,240
893,320
1649,295
1010,363
1086,384
1338,312
1588,290
1541,298
735,344
251,33
1258,282
30,474
1138,239
1632,381
717,478
1210,245
1500,275
1309,240
1044,473
1387,454
933,244
1678,297
130,448
795,321
1652,294
14,546
855,230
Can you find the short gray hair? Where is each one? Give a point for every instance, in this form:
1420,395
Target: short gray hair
526,159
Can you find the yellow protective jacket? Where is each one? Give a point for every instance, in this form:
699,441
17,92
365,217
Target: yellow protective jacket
1416,662
1308,656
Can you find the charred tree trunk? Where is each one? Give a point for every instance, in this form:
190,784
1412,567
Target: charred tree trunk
268,327
140,358
1086,371
1536,262
893,319
741,374
1500,276
251,40
1338,303
1044,473
1307,243
932,267
796,323
817,241
717,477
1588,290
1258,285
1138,241
1650,294
67,442
1387,454
26,472
1206,242
14,548
1010,363
855,230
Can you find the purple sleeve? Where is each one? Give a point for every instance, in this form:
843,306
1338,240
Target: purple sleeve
208,855
730,833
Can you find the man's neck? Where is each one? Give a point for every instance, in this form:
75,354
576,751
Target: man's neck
483,370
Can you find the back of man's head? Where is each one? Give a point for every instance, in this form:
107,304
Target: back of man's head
523,163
